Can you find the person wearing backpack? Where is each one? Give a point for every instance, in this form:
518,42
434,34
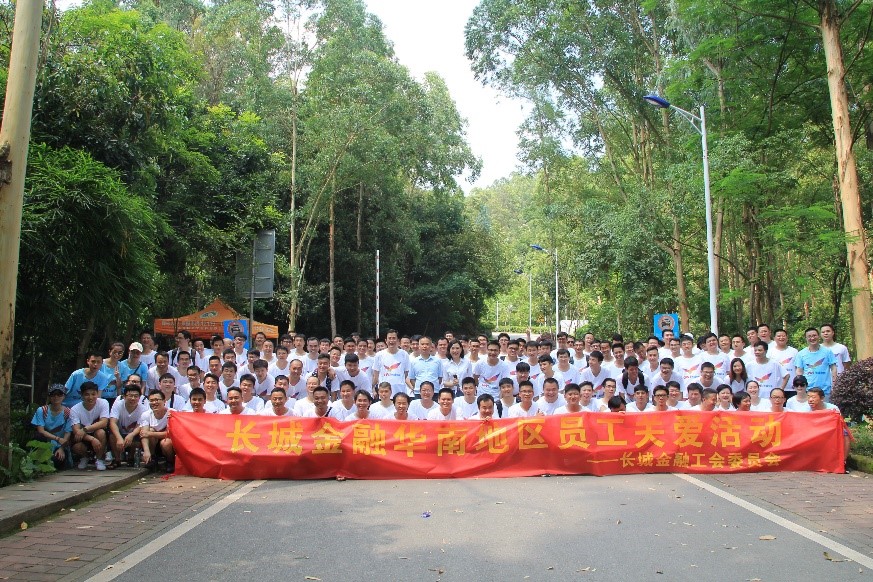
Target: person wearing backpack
53,424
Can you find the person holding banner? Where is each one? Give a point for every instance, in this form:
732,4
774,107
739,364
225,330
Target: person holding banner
235,403
527,407
446,409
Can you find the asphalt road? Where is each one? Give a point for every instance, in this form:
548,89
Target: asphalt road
641,527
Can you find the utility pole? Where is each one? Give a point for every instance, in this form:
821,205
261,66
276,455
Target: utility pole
14,140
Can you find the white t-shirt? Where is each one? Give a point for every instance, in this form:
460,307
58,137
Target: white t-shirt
154,423
264,387
785,358
795,405
518,412
269,411
720,360
436,414
841,355
309,365
632,407
570,376
464,409
392,368
256,404
768,375
339,411
153,378
303,407
362,381
597,380
549,408
541,379
417,411
274,369
79,415
688,368
245,411
377,410
490,376
127,421
210,406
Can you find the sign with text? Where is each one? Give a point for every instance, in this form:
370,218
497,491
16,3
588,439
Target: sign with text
262,447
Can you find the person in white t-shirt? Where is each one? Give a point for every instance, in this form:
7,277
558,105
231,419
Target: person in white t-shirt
674,394
641,402
484,408
596,372
714,355
725,398
363,401
247,385
420,407
401,406
235,403
345,406
384,408
767,373
800,401
507,395
694,391
281,365
551,399
467,406
489,371
391,365
527,407
780,352
352,372
569,373
305,402
278,404
154,435
841,352
264,383
213,404
660,398
124,424
90,419
572,394
609,389
446,409
758,404
548,371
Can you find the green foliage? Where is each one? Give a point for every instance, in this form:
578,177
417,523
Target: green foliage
27,464
863,443
853,391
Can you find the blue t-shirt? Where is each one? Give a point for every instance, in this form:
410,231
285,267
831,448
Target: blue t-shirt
816,367
124,370
74,385
56,423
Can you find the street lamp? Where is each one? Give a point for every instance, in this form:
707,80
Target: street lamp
554,254
519,271
699,124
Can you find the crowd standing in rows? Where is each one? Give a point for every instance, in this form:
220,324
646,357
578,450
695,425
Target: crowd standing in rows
116,409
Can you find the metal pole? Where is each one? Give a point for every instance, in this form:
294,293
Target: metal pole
14,140
497,316
557,314
710,249
377,294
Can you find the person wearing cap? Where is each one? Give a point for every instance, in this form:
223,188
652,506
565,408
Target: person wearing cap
133,364
53,424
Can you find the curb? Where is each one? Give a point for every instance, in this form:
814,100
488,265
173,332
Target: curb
12,522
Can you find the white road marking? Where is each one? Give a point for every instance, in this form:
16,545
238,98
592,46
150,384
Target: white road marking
828,543
128,562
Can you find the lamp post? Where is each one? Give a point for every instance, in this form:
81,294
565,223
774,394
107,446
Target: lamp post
519,271
554,254
699,124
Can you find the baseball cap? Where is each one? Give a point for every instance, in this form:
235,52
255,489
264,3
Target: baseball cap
57,388
135,346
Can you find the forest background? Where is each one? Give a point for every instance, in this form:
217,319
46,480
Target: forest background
166,134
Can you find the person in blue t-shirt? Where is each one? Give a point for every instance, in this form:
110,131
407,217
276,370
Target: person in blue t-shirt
53,424
816,363
90,373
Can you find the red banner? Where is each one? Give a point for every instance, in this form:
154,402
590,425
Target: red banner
262,447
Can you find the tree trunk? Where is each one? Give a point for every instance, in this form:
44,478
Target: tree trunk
359,241
292,251
856,239
680,277
332,265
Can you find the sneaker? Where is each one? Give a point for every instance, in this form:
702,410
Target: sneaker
83,464
101,466
109,456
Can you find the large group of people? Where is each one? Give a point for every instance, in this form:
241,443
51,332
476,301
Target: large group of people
115,410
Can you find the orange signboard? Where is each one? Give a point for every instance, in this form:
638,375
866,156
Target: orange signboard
263,447
209,321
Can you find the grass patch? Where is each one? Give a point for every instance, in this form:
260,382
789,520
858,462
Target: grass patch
863,444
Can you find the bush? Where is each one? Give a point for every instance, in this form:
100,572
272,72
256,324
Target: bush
863,444
853,391
26,465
